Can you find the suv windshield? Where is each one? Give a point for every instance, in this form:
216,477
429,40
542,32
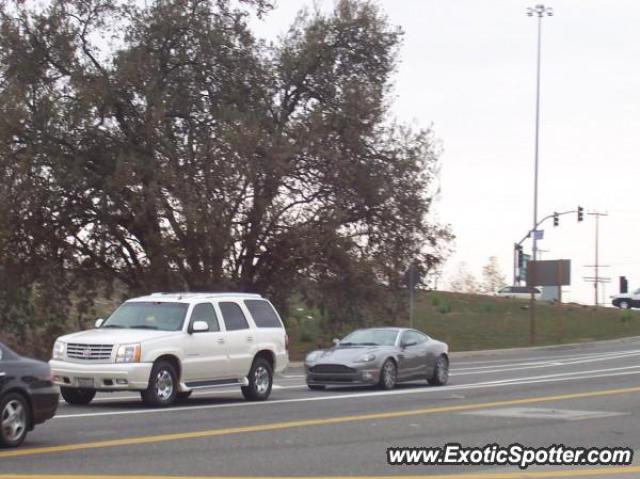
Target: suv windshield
370,337
147,315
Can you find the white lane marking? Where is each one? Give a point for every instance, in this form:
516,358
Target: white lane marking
492,384
559,375
559,361
200,394
543,413
454,372
543,358
537,366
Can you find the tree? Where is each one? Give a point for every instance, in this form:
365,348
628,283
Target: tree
463,281
192,155
492,277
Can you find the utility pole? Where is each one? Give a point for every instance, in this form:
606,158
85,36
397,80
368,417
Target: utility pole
597,279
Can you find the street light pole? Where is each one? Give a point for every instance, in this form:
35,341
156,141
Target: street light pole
539,11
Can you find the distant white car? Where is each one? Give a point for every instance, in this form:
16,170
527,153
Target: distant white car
626,300
168,345
519,292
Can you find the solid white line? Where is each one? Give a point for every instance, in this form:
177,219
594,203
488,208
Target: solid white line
571,374
199,394
543,357
543,361
500,369
491,384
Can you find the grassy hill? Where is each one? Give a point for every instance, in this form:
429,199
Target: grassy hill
470,322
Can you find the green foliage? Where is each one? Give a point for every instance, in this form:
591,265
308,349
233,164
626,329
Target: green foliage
444,308
196,157
626,316
487,307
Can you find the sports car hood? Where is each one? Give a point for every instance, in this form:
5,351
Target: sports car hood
346,354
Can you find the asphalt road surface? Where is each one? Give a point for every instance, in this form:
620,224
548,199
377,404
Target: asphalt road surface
583,395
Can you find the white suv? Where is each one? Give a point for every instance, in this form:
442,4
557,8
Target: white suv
167,345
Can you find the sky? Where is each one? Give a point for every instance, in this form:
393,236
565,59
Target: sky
467,69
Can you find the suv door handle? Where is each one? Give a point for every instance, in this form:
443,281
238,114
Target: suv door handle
220,340
249,338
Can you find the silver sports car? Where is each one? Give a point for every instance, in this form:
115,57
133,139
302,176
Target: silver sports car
379,356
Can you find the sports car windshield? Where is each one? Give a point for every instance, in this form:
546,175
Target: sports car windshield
370,337
148,315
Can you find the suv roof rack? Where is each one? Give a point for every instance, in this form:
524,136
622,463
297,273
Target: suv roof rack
205,294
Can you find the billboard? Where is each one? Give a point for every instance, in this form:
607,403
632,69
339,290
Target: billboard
549,273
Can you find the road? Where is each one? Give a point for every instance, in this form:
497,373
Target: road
583,395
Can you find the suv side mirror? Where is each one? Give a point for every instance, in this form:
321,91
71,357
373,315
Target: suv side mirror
200,327
335,341
99,322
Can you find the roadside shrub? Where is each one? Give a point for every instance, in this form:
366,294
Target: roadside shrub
445,308
626,316
435,301
487,308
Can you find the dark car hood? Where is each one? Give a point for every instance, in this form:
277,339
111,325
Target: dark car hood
347,353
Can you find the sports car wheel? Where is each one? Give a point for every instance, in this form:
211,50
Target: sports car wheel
388,375
440,372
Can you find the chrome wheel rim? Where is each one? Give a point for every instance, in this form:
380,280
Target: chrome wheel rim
624,305
14,420
261,379
164,384
443,370
389,375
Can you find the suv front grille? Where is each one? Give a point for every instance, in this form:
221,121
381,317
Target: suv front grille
89,352
331,369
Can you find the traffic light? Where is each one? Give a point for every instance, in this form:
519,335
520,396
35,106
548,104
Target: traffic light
556,219
580,213
520,255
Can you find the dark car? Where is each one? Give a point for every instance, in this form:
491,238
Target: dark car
379,356
27,396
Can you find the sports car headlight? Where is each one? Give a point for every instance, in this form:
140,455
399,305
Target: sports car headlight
58,350
128,353
312,356
367,358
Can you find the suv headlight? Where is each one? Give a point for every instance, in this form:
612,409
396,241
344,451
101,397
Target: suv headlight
58,350
367,358
128,353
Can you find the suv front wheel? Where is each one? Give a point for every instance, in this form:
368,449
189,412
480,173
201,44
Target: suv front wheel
163,385
260,381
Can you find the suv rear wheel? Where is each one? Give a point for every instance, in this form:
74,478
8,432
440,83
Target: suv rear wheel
163,385
260,381
77,397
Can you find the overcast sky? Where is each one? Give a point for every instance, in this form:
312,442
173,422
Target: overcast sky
468,68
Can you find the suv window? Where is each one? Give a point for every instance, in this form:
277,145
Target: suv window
205,312
263,314
233,316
